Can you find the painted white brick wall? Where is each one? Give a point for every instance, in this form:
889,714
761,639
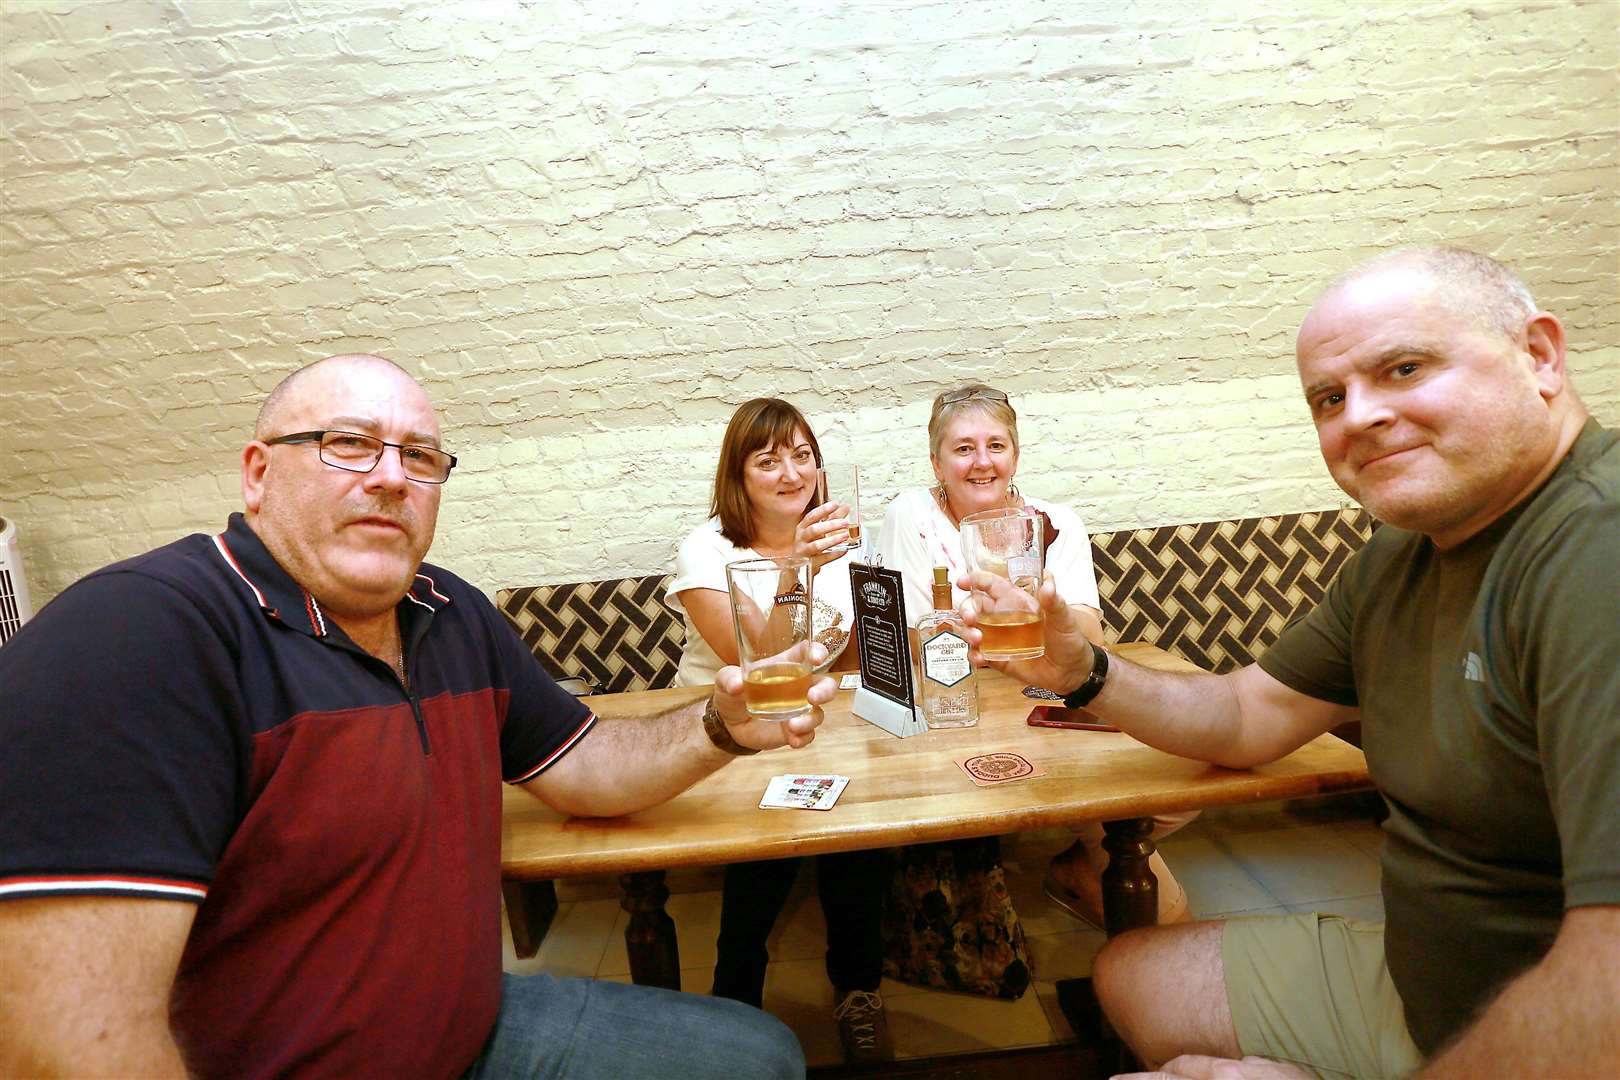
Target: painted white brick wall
595,228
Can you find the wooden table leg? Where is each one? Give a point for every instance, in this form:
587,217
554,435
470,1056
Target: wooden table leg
1130,891
530,907
1130,900
655,958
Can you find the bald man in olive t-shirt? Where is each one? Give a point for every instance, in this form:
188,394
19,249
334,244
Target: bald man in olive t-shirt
1476,638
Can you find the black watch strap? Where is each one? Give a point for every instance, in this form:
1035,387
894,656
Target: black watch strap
1081,695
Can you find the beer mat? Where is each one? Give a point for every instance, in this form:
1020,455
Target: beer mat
803,792
849,680
987,770
1041,693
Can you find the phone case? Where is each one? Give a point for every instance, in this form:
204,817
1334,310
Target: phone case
1059,717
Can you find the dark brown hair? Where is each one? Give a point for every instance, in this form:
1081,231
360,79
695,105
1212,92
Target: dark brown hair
760,423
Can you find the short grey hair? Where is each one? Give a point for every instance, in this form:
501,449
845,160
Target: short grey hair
1477,284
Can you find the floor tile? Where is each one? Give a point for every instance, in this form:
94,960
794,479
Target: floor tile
934,1022
1064,956
800,932
697,921
892,988
1366,835
574,945
1215,881
797,993
1045,991
1299,865
694,980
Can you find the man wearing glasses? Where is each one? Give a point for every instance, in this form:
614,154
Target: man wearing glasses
251,814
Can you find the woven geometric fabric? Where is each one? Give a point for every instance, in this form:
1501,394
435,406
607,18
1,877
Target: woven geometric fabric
617,635
1219,592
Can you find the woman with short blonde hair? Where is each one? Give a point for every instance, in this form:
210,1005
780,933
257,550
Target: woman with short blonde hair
973,449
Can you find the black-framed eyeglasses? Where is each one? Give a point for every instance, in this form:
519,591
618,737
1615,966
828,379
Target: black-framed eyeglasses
981,393
355,452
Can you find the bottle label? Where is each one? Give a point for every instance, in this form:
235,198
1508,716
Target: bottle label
945,659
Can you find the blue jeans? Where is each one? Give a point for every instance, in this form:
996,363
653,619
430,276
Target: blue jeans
584,1029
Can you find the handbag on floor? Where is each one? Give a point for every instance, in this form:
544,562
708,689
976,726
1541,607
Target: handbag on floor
949,922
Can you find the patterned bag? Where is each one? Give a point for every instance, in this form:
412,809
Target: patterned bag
950,923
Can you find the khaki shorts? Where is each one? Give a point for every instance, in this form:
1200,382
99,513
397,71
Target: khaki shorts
1313,990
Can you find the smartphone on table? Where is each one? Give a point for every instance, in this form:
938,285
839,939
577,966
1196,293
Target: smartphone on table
1054,715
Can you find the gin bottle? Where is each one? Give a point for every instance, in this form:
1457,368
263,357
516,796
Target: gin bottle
949,691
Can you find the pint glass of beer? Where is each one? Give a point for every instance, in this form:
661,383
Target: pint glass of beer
1007,543
771,611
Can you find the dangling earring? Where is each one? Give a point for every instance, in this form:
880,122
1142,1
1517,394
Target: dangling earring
1013,497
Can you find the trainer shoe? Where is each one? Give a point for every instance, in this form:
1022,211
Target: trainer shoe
863,1028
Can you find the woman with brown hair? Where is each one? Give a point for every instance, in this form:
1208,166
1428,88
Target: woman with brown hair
765,504
973,448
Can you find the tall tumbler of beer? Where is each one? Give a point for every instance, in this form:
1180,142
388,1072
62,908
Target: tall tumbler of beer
771,613
1007,543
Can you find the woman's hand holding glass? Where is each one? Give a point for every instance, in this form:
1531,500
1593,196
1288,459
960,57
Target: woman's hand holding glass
822,533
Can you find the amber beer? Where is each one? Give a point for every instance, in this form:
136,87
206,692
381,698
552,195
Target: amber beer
1012,635
773,690
854,536
771,615
1007,543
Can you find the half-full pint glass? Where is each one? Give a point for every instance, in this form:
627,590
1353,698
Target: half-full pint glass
771,614
1007,543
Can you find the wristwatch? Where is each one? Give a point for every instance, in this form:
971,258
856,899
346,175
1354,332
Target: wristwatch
715,726
1081,696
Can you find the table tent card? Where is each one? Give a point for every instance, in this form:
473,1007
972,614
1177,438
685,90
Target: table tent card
886,696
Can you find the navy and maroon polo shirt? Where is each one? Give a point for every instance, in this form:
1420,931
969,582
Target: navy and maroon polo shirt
187,725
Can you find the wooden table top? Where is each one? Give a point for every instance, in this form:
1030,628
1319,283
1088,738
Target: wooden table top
903,791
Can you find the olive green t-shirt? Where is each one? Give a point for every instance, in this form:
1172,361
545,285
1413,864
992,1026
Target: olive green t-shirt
1488,679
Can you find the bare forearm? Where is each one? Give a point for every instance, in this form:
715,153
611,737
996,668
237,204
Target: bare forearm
1238,720
1560,1018
629,765
1194,715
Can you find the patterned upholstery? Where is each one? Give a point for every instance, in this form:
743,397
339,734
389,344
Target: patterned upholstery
1217,593
617,635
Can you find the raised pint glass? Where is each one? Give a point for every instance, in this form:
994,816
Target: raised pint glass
1007,543
771,610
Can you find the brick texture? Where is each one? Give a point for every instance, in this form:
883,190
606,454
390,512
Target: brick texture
593,229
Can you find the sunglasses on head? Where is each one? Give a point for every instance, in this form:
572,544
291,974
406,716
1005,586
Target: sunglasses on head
983,393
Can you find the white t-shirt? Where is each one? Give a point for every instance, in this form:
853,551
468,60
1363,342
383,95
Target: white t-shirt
918,536
701,564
